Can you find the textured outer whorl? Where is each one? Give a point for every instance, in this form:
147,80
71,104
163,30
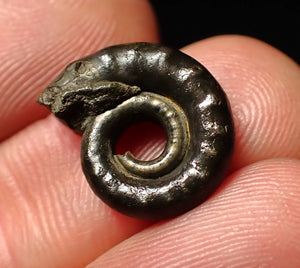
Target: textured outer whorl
102,94
210,131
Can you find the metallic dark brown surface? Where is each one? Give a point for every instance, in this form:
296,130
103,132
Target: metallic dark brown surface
102,94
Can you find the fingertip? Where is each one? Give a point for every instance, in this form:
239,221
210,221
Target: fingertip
51,35
263,88
254,221
46,200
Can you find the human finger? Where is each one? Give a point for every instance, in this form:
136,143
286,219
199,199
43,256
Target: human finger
49,215
39,40
254,221
263,87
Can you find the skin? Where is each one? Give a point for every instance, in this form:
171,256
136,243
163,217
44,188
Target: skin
49,216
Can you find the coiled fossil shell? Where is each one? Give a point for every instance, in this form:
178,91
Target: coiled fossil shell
102,94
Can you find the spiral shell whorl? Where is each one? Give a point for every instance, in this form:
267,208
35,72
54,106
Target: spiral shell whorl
104,93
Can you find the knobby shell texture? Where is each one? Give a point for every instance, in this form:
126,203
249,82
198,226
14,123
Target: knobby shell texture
104,93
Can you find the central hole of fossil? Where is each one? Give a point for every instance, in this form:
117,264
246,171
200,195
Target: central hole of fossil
145,140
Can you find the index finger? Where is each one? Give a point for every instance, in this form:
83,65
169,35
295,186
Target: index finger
37,41
263,88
